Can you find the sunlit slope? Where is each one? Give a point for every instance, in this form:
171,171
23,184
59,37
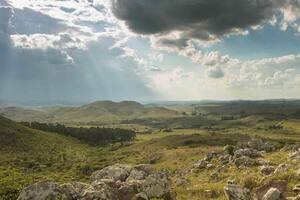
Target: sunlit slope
97,112
15,138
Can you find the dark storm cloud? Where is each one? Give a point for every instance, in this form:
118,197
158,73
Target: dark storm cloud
201,19
173,43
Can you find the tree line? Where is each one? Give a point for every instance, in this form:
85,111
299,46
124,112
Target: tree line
93,135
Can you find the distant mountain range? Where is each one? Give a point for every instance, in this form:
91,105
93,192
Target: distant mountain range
97,112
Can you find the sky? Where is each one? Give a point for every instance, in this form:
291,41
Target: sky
146,50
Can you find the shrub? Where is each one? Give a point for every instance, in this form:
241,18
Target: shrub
229,149
251,182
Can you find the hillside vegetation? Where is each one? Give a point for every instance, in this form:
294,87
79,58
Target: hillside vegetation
27,155
172,144
100,112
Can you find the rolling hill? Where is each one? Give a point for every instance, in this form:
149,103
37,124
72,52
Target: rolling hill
27,155
99,112
16,138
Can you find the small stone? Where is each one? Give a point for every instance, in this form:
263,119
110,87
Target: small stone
230,182
267,170
209,166
298,173
296,189
263,162
282,168
295,156
211,194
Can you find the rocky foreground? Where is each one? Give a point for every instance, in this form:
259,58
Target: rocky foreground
248,155
117,182
142,182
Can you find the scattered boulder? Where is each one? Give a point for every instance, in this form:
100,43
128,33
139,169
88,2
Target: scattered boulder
210,194
295,156
225,159
210,156
263,162
296,189
219,170
290,147
278,184
157,185
282,168
116,172
182,181
245,161
267,170
273,194
202,164
260,145
40,191
141,196
117,182
252,153
235,192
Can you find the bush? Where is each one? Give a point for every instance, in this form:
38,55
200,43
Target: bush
229,149
251,182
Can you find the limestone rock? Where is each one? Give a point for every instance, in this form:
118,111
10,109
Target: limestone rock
282,168
225,159
202,164
263,162
298,173
262,190
157,185
49,190
116,172
210,194
235,192
252,153
260,145
117,182
245,161
273,194
210,156
267,170
295,156
296,189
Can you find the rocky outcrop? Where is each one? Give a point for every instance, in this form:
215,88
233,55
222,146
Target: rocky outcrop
117,182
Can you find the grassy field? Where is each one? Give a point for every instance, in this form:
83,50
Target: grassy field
171,144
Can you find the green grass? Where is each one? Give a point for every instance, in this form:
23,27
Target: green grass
28,156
